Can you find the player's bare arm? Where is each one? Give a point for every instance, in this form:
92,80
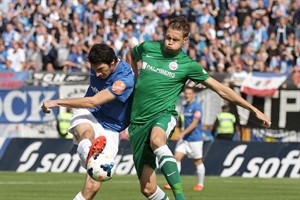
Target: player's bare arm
191,127
188,129
101,97
228,94
131,61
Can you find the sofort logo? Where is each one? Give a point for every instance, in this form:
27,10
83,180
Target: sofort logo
33,159
261,167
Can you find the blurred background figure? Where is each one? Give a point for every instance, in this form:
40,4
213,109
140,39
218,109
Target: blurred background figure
225,125
190,139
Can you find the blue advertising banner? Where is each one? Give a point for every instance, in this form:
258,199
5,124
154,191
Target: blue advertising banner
221,158
24,105
253,159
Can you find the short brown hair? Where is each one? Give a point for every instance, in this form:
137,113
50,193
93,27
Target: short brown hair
180,23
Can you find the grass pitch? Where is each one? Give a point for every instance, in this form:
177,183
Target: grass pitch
64,186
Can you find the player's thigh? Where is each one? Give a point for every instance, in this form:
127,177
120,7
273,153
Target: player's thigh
83,125
112,142
84,131
166,122
140,144
181,149
196,149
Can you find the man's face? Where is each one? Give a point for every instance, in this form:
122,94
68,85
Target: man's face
189,95
102,70
174,41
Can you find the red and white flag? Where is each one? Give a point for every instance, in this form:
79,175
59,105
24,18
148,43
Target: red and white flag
262,84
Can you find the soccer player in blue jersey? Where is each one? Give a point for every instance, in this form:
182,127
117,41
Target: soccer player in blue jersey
191,142
102,113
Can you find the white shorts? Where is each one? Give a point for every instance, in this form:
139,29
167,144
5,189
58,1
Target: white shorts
112,137
191,149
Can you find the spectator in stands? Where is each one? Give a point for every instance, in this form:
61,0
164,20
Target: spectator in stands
272,49
162,8
246,30
27,35
242,11
260,11
259,66
248,56
220,68
296,75
147,7
286,62
3,57
238,75
33,57
45,44
266,25
205,17
75,62
83,22
16,58
261,36
10,35
279,10
143,34
296,22
131,37
283,29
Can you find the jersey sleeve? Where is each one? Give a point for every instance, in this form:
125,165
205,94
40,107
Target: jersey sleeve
122,87
197,111
138,51
197,73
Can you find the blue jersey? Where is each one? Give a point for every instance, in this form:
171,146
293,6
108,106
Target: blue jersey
114,115
193,111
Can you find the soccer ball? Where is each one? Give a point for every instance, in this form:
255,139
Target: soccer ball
101,167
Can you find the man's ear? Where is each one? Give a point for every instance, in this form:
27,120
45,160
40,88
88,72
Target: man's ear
185,40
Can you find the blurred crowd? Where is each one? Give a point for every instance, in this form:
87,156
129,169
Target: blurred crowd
232,36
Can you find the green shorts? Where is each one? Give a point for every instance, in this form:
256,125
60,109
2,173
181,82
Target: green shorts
139,137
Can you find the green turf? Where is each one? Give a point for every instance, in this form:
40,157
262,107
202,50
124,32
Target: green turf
57,186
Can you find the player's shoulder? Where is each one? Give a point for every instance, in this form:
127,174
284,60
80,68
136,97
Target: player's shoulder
196,104
148,45
186,58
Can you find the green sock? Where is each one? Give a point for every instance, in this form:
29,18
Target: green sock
168,166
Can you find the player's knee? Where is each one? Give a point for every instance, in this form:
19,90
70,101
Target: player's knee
148,191
87,134
157,142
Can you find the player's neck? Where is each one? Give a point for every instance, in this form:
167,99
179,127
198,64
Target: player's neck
117,63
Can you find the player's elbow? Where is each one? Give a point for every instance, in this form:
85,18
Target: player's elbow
92,103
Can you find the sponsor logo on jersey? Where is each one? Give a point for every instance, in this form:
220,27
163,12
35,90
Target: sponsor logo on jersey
118,87
149,56
173,65
197,114
158,70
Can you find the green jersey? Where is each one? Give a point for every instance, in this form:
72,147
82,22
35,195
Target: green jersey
161,80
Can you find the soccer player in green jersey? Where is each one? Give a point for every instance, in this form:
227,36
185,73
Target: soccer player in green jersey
163,74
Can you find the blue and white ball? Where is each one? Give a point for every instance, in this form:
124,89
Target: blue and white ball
101,167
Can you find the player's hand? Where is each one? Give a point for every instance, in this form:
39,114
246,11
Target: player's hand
47,105
266,123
